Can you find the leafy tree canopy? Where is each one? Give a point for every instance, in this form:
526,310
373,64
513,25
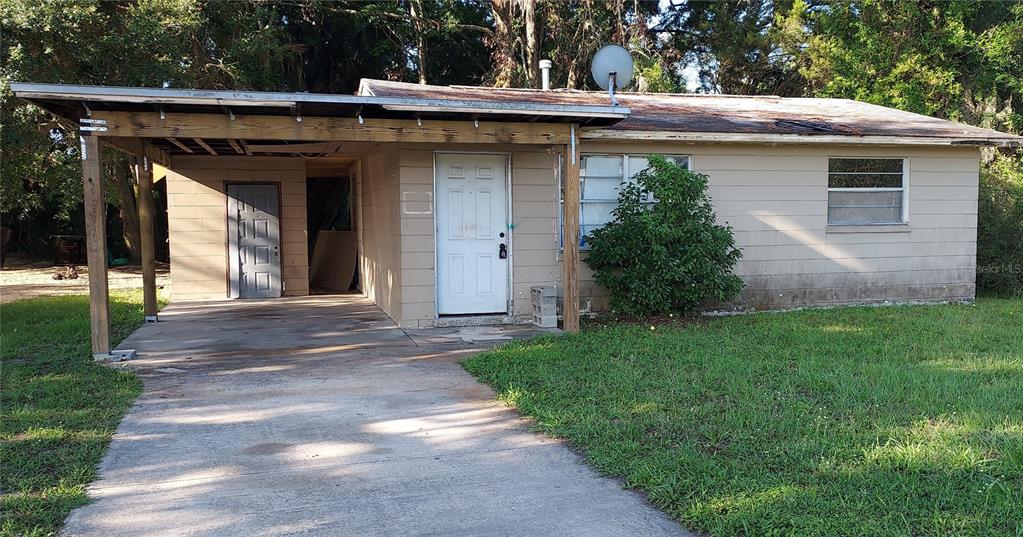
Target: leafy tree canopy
957,59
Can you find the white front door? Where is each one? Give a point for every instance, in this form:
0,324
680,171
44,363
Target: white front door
472,233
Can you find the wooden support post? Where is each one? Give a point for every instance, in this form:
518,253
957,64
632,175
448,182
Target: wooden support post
570,259
96,245
144,173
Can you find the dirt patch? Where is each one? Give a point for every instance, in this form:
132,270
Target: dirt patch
21,279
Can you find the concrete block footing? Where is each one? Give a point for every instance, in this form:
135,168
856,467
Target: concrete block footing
118,355
545,306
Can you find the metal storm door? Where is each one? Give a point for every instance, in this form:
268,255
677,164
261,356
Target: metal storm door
472,233
253,223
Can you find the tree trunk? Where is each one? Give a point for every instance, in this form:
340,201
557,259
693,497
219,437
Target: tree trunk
503,43
128,209
419,26
532,43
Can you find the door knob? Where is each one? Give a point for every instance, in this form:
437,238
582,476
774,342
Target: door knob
502,251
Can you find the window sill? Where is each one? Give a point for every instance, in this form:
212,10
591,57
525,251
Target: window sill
869,228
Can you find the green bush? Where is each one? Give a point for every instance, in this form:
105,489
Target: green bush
1000,227
667,256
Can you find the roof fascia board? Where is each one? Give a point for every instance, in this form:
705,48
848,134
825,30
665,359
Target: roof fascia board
154,100
621,135
270,99
150,95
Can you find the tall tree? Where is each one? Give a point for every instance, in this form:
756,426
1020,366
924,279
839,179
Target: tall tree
733,45
419,25
569,33
292,45
955,59
140,43
125,193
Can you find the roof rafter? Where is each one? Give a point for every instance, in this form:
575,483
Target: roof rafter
180,145
205,146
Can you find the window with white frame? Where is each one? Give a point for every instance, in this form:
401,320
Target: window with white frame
601,178
866,191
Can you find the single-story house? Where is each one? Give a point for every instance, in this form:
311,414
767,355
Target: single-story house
464,198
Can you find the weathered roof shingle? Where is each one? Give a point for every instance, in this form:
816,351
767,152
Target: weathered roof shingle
736,114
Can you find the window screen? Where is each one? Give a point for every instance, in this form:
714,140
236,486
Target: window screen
601,178
864,191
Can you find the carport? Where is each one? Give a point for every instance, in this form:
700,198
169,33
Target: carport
169,126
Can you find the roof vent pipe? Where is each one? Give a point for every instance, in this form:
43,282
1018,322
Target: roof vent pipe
545,74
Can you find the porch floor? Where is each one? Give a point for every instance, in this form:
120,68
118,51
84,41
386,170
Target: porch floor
318,415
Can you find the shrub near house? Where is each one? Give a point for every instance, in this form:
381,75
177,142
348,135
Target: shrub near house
667,255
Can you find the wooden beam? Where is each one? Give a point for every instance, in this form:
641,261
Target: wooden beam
205,146
570,257
96,246
180,145
149,125
234,145
245,147
144,173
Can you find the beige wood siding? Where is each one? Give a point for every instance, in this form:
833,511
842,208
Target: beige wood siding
775,198
197,221
415,168
379,231
533,248
535,201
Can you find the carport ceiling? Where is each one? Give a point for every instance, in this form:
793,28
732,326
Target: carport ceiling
232,146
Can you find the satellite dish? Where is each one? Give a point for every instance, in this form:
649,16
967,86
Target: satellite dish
612,62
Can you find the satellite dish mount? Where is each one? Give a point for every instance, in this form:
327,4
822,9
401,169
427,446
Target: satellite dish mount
612,81
612,69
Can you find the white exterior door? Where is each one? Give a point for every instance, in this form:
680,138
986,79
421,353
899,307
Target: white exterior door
473,248
254,236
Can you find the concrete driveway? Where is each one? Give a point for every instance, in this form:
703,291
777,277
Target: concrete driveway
318,416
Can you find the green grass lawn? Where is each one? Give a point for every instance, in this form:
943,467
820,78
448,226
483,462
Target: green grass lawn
57,408
859,421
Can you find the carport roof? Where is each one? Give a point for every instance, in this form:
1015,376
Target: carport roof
77,101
